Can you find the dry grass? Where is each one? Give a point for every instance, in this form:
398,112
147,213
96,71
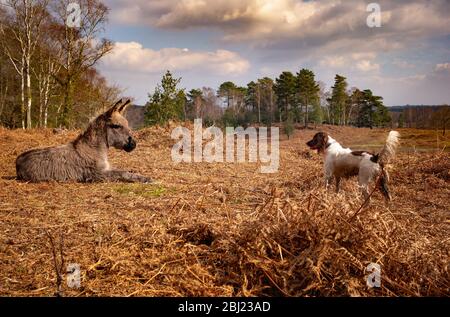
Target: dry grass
225,229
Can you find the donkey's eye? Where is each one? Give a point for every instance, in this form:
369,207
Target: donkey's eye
115,126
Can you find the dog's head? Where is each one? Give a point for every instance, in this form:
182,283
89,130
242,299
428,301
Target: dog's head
318,142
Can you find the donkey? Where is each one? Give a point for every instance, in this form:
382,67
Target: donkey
86,158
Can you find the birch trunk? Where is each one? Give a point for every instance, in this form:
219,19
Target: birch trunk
28,89
259,104
22,95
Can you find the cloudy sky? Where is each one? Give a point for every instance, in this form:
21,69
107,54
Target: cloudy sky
207,42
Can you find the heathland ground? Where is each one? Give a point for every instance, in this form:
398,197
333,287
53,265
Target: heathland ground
225,229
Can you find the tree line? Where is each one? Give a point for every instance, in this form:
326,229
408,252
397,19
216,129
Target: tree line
289,99
47,66
48,78
422,117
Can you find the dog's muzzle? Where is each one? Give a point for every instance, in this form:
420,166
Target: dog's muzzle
130,146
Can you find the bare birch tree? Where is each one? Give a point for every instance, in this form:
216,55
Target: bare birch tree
25,23
79,48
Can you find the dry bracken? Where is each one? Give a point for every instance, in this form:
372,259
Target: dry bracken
225,229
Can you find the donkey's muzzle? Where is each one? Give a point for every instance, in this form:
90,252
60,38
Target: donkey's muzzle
131,145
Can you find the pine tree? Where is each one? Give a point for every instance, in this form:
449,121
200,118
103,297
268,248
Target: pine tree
252,101
308,93
194,104
316,115
372,111
288,126
382,116
166,103
365,115
285,91
353,106
227,90
251,96
267,99
338,100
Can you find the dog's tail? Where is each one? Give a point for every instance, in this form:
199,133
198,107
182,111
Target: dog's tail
389,149
383,184
383,158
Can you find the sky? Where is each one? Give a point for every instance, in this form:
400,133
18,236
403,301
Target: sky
406,60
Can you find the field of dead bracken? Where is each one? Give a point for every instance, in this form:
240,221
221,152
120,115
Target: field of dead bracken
225,229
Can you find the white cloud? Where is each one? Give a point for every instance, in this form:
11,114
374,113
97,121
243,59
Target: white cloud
362,61
363,55
330,36
442,67
132,56
333,62
291,23
404,80
403,64
367,66
418,88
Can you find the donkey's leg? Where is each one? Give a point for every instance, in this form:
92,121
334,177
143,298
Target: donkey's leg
124,176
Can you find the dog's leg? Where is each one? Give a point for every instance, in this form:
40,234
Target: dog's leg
338,183
124,176
328,172
328,180
366,196
365,192
363,180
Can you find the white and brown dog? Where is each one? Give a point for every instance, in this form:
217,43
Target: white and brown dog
343,162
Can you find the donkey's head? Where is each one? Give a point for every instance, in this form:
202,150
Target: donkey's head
118,134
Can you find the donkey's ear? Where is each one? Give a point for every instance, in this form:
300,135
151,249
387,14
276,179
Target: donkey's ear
124,106
115,107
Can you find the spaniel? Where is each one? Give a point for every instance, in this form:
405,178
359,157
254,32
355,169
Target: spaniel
343,162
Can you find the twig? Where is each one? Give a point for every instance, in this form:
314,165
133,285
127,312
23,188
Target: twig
274,283
58,268
367,198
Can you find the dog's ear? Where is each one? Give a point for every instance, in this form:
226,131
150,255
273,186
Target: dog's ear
322,142
325,140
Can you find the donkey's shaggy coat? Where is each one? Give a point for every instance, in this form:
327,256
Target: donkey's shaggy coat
86,158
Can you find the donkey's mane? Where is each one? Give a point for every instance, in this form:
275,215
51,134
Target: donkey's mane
94,133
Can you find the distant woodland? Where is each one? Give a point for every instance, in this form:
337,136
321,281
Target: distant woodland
48,78
47,67
421,117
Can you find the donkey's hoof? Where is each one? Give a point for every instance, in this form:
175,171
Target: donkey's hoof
147,180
